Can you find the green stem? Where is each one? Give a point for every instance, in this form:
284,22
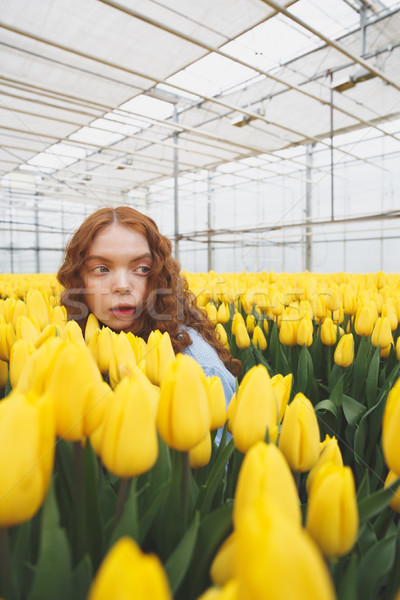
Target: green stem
78,523
122,494
185,487
6,586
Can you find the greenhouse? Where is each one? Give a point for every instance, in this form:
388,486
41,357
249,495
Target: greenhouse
221,420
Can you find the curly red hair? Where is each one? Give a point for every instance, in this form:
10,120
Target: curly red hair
177,304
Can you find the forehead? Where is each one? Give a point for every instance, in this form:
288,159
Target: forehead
119,239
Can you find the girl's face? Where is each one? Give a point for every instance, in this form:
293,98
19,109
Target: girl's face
115,276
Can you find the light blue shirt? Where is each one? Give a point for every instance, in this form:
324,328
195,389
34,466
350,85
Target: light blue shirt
210,362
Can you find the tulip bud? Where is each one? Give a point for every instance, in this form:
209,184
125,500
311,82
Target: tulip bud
305,332
391,429
242,336
364,322
275,554
59,316
344,353
350,303
318,306
328,332
122,359
231,412
129,445
395,501
211,310
221,335
223,314
7,340
126,572
78,390
288,332
300,438
183,418
92,325
250,323
389,312
27,329
382,333
20,353
282,387
73,333
34,374
104,350
216,401
160,354
20,309
330,452
222,567
199,455
27,442
259,338
332,513
257,410
37,308
265,472
237,318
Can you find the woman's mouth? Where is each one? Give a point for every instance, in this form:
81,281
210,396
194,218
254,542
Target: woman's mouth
123,311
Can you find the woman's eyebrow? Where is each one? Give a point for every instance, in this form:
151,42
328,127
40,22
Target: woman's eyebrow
104,258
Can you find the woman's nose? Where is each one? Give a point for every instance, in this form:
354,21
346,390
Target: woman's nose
121,283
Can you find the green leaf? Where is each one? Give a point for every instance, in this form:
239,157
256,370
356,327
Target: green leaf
53,571
305,371
353,410
372,379
147,517
347,585
92,505
82,578
363,488
373,504
328,417
179,561
207,491
360,367
374,566
128,523
336,395
214,529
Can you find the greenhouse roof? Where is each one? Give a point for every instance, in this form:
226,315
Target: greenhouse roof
112,93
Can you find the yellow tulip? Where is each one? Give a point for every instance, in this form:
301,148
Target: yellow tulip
328,332
265,472
391,429
78,391
211,310
231,412
7,340
222,567
104,350
27,442
364,322
129,445
160,354
59,316
222,335
200,455
259,338
183,418
304,332
38,366
228,592
332,513
288,332
344,353
389,312
237,318
126,572
123,358
92,325
216,401
256,411
3,374
382,333
73,333
282,387
318,306
20,353
275,558
329,452
223,314
300,438
242,336
27,329
398,348
37,308
20,309
395,501
350,303
250,323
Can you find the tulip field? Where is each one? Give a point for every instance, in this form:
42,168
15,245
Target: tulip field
124,475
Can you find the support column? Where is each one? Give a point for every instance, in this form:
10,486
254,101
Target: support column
176,199
209,224
308,211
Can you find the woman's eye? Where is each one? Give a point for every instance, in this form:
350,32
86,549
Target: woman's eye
144,269
100,269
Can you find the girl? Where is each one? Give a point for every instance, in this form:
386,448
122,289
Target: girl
119,267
